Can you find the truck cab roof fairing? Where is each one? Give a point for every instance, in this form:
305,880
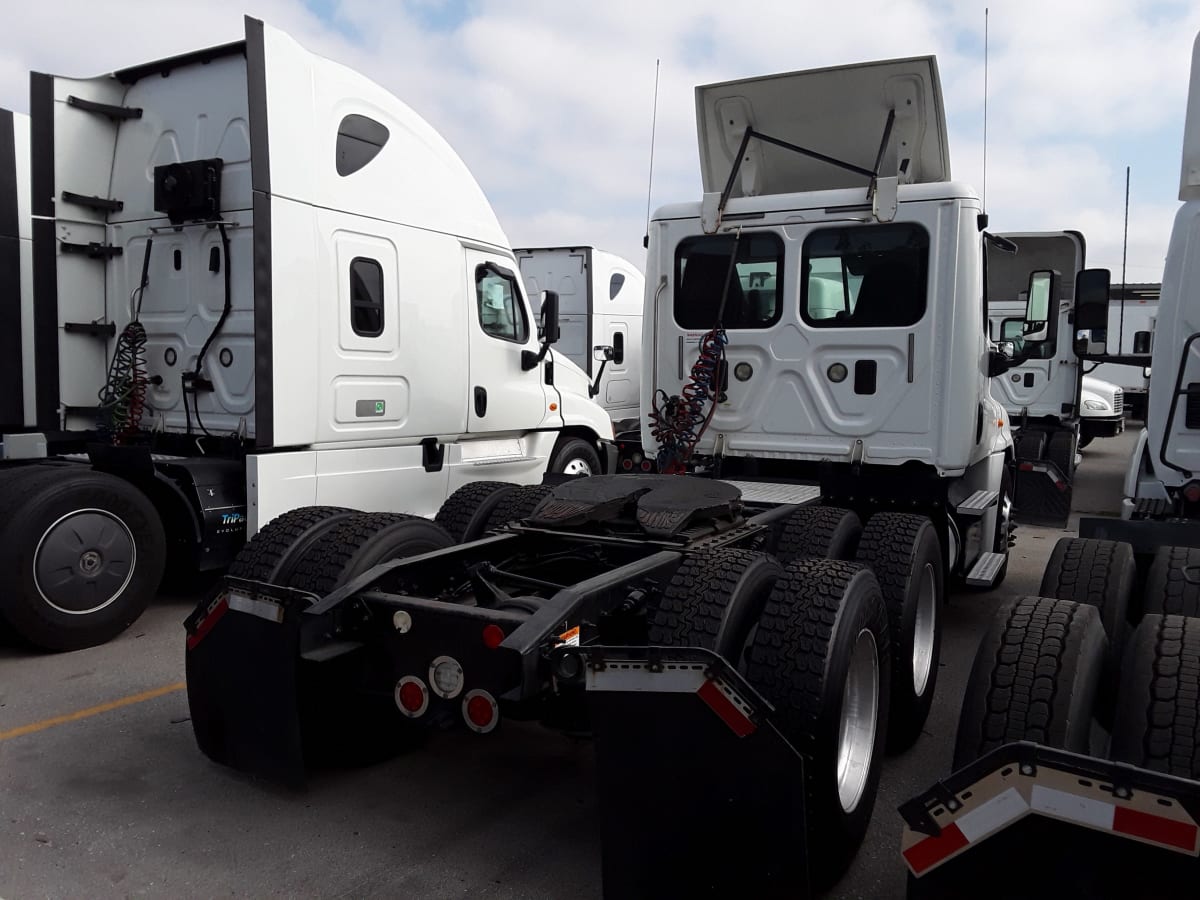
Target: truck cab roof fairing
840,112
416,178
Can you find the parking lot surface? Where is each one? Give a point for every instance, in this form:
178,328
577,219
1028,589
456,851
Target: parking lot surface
104,794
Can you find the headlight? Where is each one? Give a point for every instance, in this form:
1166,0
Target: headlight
1095,404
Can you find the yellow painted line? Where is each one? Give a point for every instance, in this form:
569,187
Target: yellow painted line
92,711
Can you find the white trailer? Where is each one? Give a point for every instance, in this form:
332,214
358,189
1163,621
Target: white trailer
600,311
260,282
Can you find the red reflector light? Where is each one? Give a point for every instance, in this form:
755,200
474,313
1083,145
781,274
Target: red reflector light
626,465
1026,467
1191,492
412,697
493,636
480,711
645,465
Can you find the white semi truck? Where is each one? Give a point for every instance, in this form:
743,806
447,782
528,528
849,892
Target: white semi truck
600,315
743,638
259,282
1055,408
1076,771
1132,317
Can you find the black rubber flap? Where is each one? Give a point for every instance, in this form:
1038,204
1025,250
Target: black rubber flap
680,501
596,499
242,686
689,808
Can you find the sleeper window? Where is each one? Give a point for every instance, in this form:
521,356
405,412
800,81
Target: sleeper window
865,276
359,140
501,313
366,297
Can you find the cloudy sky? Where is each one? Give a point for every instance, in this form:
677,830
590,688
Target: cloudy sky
549,101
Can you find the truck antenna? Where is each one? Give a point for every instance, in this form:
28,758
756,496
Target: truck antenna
653,125
1124,251
985,99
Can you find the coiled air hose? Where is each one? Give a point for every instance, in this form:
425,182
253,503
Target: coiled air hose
123,397
678,422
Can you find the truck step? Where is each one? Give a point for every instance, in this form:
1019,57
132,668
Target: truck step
769,492
986,570
978,503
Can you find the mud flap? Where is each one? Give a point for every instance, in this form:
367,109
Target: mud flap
700,795
1028,821
242,664
1042,495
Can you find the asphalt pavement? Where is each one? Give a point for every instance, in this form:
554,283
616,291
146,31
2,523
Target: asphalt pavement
104,794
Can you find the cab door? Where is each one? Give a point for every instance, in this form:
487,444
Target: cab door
502,397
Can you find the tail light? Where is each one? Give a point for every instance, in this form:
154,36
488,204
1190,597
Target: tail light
1191,492
412,697
480,711
493,635
626,464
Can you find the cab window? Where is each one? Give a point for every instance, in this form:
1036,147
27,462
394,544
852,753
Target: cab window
501,312
865,276
754,298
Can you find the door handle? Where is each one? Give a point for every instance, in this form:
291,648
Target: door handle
480,402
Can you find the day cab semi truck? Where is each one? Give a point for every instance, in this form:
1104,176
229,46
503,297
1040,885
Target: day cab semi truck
745,631
260,282
1054,407
1077,760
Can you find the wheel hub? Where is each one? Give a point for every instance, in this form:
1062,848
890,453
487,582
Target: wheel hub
860,714
577,467
924,629
84,561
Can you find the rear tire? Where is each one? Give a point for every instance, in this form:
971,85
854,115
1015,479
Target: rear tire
906,556
818,532
1168,592
1061,452
357,543
820,654
1157,723
81,555
270,555
713,601
1085,439
1035,678
466,512
518,503
1101,574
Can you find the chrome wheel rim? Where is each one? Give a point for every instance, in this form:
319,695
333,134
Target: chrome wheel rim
860,713
84,561
924,630
577,467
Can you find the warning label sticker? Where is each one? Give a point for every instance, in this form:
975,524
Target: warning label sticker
570,638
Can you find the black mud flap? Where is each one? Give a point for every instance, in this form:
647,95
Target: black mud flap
242,663
700,795
1042,495
1028,821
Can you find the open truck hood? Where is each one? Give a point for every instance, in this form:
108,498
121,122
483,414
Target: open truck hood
840,112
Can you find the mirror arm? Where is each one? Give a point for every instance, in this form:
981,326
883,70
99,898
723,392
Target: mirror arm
530,360
594,387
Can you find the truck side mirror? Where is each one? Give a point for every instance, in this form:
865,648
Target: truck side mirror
550,329
1141,343
1037,305
1092,288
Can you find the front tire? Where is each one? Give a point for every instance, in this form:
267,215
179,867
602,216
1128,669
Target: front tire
81,556
574,456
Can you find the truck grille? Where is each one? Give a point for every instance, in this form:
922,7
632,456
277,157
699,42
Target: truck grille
1119,402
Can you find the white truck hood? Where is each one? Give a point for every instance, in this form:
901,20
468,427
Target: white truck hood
839,111
1097,391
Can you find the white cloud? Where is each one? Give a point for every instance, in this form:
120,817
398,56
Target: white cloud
549,102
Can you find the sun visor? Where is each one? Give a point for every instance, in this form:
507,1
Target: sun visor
839,112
